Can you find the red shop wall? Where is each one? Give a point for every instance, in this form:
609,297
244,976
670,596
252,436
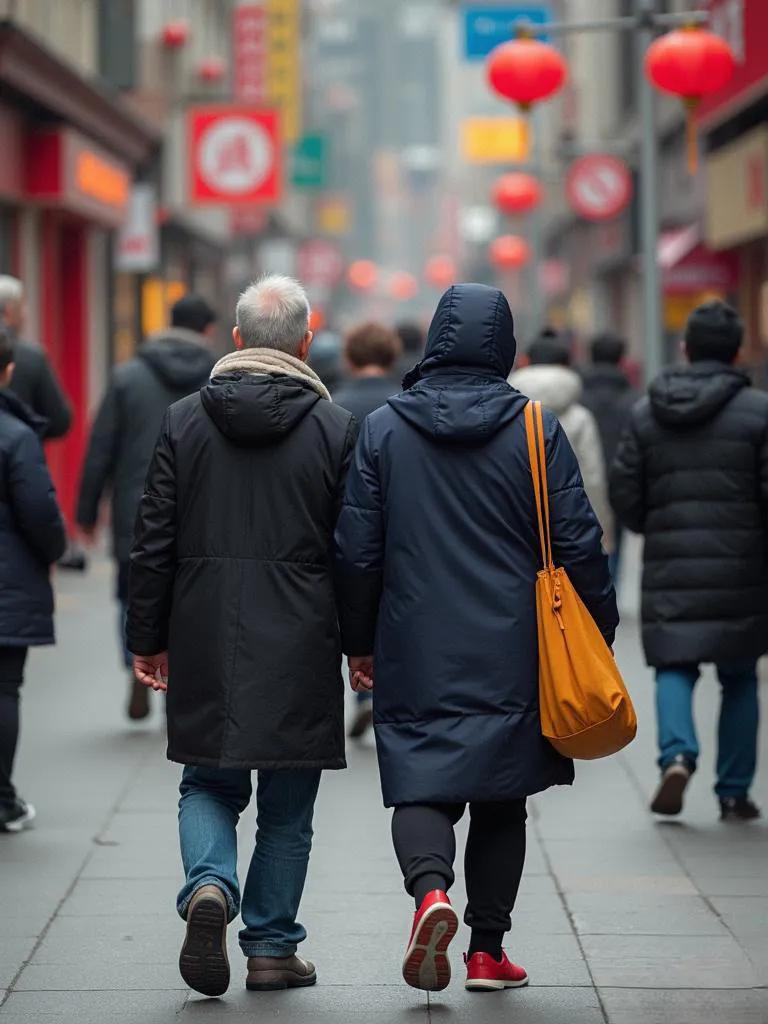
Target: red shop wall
64,325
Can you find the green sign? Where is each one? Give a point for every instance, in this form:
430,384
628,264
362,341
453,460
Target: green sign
309,162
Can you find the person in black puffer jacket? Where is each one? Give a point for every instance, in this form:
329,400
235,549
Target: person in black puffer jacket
691,475
32,538
168,366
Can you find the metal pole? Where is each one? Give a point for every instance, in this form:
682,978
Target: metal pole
649,198
536,298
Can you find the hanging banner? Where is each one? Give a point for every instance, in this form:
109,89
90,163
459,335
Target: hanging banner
137,249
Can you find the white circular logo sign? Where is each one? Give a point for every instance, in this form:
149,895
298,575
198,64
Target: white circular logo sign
236,155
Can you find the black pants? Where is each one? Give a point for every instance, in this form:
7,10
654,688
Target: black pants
12,661
425,845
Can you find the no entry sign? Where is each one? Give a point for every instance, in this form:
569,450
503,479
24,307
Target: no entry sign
234,155
599,186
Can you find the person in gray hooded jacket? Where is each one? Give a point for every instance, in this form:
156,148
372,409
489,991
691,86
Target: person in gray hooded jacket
168,367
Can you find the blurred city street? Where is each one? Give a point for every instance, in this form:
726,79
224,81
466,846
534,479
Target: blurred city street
620,918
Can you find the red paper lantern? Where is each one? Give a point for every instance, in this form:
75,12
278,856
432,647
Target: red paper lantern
509,252
440,271
517,192
362,275
525,70
690,63
403,286
211,69
175,34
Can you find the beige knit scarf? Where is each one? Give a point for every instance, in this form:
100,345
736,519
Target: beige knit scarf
270,361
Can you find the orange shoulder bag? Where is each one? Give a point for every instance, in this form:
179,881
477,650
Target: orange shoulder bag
586,711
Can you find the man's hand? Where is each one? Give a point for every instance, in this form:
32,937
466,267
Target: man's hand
361,673
152,670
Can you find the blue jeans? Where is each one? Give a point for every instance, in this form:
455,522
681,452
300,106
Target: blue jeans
212,800
737,734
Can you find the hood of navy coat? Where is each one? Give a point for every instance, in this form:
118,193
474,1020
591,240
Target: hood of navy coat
254,409
179,358
685,396
459,393
12,404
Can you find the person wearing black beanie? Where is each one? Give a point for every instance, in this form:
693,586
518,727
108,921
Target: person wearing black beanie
691,475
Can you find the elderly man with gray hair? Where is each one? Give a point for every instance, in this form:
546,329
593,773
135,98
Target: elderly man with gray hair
232,611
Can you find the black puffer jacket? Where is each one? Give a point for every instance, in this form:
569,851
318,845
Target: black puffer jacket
231,572
32,533
608,395
692,476
167,368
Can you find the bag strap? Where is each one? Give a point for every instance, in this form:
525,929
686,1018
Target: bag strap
534,429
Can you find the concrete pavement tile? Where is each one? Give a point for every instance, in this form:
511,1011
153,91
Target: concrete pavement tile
109,897
640,961
723,884
134,861
99,977
93,1007
729,1006
522,1006
617,884
747,917
642,914
322,1001
101,940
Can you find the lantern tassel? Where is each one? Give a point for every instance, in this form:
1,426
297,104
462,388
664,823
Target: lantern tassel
691,105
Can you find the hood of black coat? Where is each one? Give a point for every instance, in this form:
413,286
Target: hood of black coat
688,395
12,404
254,409
179,358
459,391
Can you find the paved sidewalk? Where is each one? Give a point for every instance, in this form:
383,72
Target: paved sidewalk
620,919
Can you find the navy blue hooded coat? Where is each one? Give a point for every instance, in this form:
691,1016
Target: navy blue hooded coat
438,550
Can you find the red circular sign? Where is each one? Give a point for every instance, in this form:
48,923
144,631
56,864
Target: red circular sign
599,186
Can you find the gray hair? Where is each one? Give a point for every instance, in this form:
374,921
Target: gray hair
273,312
11,290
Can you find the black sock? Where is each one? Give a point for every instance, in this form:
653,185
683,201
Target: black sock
486,942
426,884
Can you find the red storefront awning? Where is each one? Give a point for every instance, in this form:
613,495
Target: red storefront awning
688,266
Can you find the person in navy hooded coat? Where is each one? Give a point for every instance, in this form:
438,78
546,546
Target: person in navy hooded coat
437,551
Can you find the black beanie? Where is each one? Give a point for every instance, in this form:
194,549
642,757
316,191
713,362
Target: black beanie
714,331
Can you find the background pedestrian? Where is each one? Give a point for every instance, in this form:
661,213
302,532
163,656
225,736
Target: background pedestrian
691,475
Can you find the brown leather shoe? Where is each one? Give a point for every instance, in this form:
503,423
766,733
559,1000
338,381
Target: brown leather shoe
267,973
203,961
138,700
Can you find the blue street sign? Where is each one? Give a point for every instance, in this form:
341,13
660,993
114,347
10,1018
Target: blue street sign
486,27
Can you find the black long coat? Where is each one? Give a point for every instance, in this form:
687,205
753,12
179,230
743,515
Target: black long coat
232,573
692,476
35,383
438,552
32,534
170,366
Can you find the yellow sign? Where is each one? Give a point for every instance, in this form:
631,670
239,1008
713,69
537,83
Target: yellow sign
157,297
333,215
101,180
495,140
283,64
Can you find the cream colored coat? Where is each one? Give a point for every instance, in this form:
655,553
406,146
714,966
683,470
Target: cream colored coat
558,388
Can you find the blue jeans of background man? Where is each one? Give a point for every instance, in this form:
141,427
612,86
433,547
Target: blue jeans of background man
212,800
737,733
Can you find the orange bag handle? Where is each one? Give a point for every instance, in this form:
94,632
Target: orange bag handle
534,429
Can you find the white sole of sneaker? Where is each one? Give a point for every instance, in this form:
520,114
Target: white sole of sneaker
486,985
426,965
25,821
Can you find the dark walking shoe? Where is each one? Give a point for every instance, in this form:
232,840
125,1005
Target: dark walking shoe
426,965
203,961
484,974
668,799
138,700
269,973
18,817
362,722
738,808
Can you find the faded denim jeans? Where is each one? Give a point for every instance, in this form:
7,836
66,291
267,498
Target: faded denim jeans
212,800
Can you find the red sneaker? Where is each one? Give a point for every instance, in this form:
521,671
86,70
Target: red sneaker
426,965
484,974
